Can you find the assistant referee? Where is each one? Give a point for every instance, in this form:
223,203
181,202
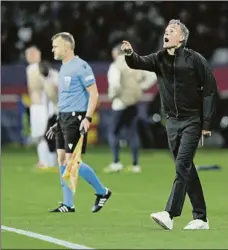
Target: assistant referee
78,96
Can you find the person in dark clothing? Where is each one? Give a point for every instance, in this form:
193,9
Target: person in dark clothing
188,93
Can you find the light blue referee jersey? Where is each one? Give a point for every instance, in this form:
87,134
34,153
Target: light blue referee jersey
74,77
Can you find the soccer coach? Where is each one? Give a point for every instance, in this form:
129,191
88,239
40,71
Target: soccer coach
188,92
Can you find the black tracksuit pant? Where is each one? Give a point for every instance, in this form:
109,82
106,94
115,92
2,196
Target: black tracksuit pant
183,137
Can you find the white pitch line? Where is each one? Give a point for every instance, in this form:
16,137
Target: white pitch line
59,242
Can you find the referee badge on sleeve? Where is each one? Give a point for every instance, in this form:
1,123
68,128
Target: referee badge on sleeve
89,78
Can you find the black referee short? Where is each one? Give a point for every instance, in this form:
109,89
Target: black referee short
68,133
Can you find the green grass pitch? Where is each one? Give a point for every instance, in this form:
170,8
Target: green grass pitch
125,222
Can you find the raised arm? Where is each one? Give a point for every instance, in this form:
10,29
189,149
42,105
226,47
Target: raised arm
134,61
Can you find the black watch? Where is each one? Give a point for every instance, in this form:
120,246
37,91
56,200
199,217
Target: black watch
89,118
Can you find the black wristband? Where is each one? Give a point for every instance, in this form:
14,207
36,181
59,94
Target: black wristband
89,118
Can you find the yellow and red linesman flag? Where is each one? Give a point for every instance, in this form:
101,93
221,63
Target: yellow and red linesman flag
70,175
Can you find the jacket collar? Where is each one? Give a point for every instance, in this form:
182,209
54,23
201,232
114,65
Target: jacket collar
178,51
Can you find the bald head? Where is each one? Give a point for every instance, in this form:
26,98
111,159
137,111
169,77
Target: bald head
33,55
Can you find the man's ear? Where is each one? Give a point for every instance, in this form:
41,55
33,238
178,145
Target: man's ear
182,39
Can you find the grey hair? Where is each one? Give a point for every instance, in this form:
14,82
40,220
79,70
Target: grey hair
184,29
66,37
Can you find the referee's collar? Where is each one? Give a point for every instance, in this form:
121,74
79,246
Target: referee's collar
74,57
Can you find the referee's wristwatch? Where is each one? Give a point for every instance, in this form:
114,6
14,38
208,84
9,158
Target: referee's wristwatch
89,118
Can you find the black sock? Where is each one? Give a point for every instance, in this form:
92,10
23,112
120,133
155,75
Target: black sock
170,215
204,219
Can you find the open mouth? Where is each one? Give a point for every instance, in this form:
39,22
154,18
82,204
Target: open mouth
166,39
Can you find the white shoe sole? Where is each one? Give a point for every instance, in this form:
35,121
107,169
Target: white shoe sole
197,228
160,223
108,171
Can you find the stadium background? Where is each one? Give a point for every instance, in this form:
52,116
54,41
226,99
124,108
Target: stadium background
28,193
97,29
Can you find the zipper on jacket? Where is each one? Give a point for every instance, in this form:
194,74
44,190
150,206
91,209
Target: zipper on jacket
175,86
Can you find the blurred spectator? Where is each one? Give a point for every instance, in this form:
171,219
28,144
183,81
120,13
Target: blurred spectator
97,26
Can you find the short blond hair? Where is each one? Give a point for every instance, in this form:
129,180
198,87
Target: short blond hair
67,37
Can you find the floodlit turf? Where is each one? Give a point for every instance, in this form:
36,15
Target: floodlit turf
27,195
23,242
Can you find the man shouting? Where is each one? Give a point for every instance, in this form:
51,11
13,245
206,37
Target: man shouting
188,92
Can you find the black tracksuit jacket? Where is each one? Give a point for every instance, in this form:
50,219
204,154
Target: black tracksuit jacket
186,82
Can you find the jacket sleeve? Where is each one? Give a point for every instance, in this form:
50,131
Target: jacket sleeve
208,82
149,62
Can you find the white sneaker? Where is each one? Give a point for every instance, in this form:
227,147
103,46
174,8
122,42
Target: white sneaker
113,167
163,219
197,225
133,169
